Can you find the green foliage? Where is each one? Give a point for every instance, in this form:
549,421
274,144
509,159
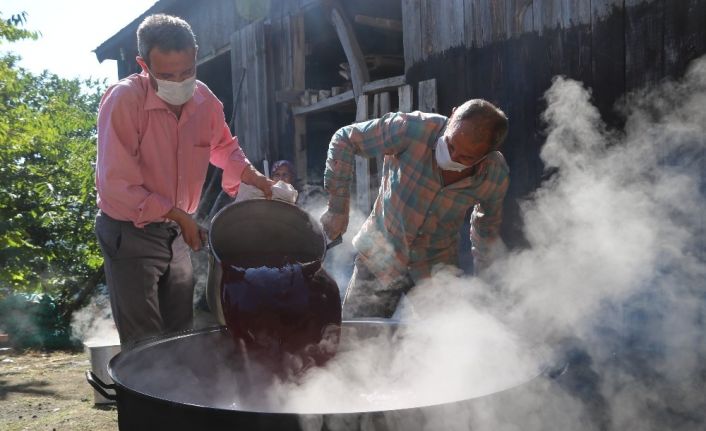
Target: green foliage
10,28
47,199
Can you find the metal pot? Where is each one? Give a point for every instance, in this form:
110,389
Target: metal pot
200,381
100,354
259,227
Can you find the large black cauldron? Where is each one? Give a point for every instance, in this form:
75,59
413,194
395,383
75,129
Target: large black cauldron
200,381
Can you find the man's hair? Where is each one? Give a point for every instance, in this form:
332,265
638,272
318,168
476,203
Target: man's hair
485,115
166,32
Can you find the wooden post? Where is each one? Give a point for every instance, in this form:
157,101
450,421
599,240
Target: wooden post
298,82
404,94
427,96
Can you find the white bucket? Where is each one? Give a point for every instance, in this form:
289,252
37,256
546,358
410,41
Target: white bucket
100,355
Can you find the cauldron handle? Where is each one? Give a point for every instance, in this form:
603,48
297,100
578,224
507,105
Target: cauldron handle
99,386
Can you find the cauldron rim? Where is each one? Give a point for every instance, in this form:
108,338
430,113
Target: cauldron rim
120,386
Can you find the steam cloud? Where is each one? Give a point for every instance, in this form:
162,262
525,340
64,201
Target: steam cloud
611,288
93,324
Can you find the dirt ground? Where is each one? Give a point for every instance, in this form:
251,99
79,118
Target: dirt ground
48,391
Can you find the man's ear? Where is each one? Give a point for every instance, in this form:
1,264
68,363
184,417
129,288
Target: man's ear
143,64
453,110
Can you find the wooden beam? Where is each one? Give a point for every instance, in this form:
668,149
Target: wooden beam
354,55
382,85
213,54
379,86
326,104
383,23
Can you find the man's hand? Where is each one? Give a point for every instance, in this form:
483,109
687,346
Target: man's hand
191,231
335,224
254,178
265,184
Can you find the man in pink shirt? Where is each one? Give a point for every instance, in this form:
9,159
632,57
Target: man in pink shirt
157,132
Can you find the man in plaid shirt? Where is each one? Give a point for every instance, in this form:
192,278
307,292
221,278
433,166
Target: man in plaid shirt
435,169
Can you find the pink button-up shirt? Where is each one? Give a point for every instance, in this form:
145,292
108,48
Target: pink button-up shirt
150,161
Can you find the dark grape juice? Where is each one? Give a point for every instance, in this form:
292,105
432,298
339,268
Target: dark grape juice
281,310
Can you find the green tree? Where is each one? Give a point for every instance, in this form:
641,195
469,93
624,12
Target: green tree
47,199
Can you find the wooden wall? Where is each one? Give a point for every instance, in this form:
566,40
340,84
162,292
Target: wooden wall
507,51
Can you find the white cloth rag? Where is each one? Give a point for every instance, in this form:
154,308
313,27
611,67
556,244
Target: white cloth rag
280,191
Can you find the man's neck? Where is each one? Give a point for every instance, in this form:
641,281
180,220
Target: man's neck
176,109
450,177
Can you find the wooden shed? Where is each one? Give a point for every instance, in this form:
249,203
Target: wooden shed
290,72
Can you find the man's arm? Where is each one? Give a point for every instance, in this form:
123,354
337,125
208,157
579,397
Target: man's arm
386,135
227,154
487,215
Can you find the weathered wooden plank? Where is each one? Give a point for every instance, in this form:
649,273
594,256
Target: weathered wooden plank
326,104
608,55
442,25
644,42
298,81
428,29
519,17
575,12
547,14
377,22
381,85
576,40
427,96
412,32
472,22
252,119
685,34
498,20
237,74
347,96
405,99
252,146
602,9
213,26
265,90
354,55
385,103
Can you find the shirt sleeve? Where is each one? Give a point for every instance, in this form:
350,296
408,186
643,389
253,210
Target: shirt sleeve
383,136
118,174
487,214
226,152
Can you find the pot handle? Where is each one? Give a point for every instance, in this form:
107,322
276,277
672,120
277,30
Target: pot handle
334,243
99,386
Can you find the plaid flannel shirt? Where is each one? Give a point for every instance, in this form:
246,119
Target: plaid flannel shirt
415,220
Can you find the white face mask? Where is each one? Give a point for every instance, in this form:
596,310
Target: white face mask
176,93
443,158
